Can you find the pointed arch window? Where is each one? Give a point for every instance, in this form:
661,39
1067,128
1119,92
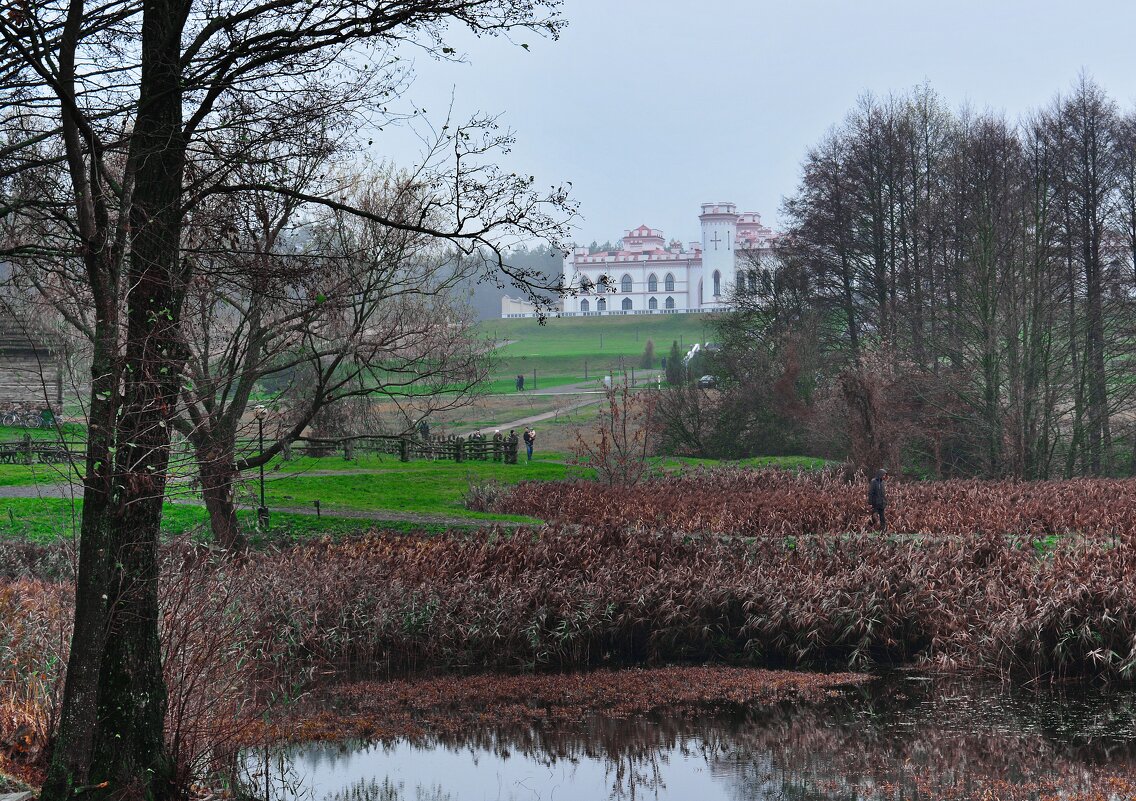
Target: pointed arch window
670,303
585,306
626,304
601,305
653,303
625,284
669,283
652,283
717,283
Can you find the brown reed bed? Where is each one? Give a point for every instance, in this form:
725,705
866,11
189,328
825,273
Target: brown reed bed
752,503
672,579
451,706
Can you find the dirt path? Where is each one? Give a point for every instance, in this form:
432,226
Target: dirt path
69,492
592,389
524,421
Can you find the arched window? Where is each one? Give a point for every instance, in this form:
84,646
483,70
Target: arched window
601,286
653,303
669,283
717,283
753,280
652,283
601,305
626,304
625,284
585,306
670,303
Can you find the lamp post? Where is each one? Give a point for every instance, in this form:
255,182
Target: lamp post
262,510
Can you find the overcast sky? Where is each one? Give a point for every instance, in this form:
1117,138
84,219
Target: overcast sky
650,107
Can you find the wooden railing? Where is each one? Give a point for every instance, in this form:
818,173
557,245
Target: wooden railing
451,448
43,451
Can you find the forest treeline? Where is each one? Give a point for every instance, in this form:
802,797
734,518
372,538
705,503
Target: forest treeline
955,293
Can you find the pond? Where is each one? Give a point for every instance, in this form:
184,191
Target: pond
902,736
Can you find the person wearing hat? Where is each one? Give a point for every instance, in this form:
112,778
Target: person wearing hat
877,498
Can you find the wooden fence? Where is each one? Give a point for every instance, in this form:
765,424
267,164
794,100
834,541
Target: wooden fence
452,448
43,451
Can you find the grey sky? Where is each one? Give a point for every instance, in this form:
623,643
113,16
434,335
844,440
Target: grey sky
651,107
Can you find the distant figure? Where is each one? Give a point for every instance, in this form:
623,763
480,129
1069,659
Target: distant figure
530,438
877,498
511,453
521,382
424,430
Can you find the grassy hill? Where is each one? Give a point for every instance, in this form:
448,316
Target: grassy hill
563,346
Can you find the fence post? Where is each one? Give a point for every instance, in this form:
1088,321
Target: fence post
459,449
348,449
404,450
286,450
27,448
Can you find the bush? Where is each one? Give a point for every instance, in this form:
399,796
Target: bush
647,361
481,495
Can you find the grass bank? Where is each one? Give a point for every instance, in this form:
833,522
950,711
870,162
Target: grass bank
563,346
418,495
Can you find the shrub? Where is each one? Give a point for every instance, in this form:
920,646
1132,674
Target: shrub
482,495
647,361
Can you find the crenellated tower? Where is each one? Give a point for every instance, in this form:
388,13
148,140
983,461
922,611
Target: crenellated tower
719,229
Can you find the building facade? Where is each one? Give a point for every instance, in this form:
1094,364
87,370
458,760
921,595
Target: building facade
648,275
31,368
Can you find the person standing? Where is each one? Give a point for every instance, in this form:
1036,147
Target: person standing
530,438
877,497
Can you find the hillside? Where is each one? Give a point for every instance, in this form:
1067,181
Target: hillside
564,347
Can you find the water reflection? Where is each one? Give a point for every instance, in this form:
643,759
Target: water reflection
903,737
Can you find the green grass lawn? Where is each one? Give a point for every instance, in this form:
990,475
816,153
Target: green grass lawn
46,520
563,346
418,487
70,431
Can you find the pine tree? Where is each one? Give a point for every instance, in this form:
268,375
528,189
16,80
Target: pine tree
648,359
674,366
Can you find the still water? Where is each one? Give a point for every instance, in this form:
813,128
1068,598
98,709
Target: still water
900,737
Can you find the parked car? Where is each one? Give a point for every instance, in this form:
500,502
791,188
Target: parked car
708,382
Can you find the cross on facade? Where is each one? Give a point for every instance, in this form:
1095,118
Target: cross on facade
716,239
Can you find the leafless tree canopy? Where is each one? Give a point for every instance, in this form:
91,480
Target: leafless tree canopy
125,129
972,277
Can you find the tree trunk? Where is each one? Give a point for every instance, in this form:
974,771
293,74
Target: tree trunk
219,476
70,762
117,601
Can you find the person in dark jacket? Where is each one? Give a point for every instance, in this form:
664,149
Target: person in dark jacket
877,497
530,438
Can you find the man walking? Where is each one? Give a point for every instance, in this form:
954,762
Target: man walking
877,498
530,438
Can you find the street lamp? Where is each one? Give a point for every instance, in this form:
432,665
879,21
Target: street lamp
262,511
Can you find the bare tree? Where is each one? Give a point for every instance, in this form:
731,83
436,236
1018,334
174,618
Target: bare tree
345,307
993,258
119,120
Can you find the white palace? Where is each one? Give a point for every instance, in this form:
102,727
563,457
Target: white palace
650,276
